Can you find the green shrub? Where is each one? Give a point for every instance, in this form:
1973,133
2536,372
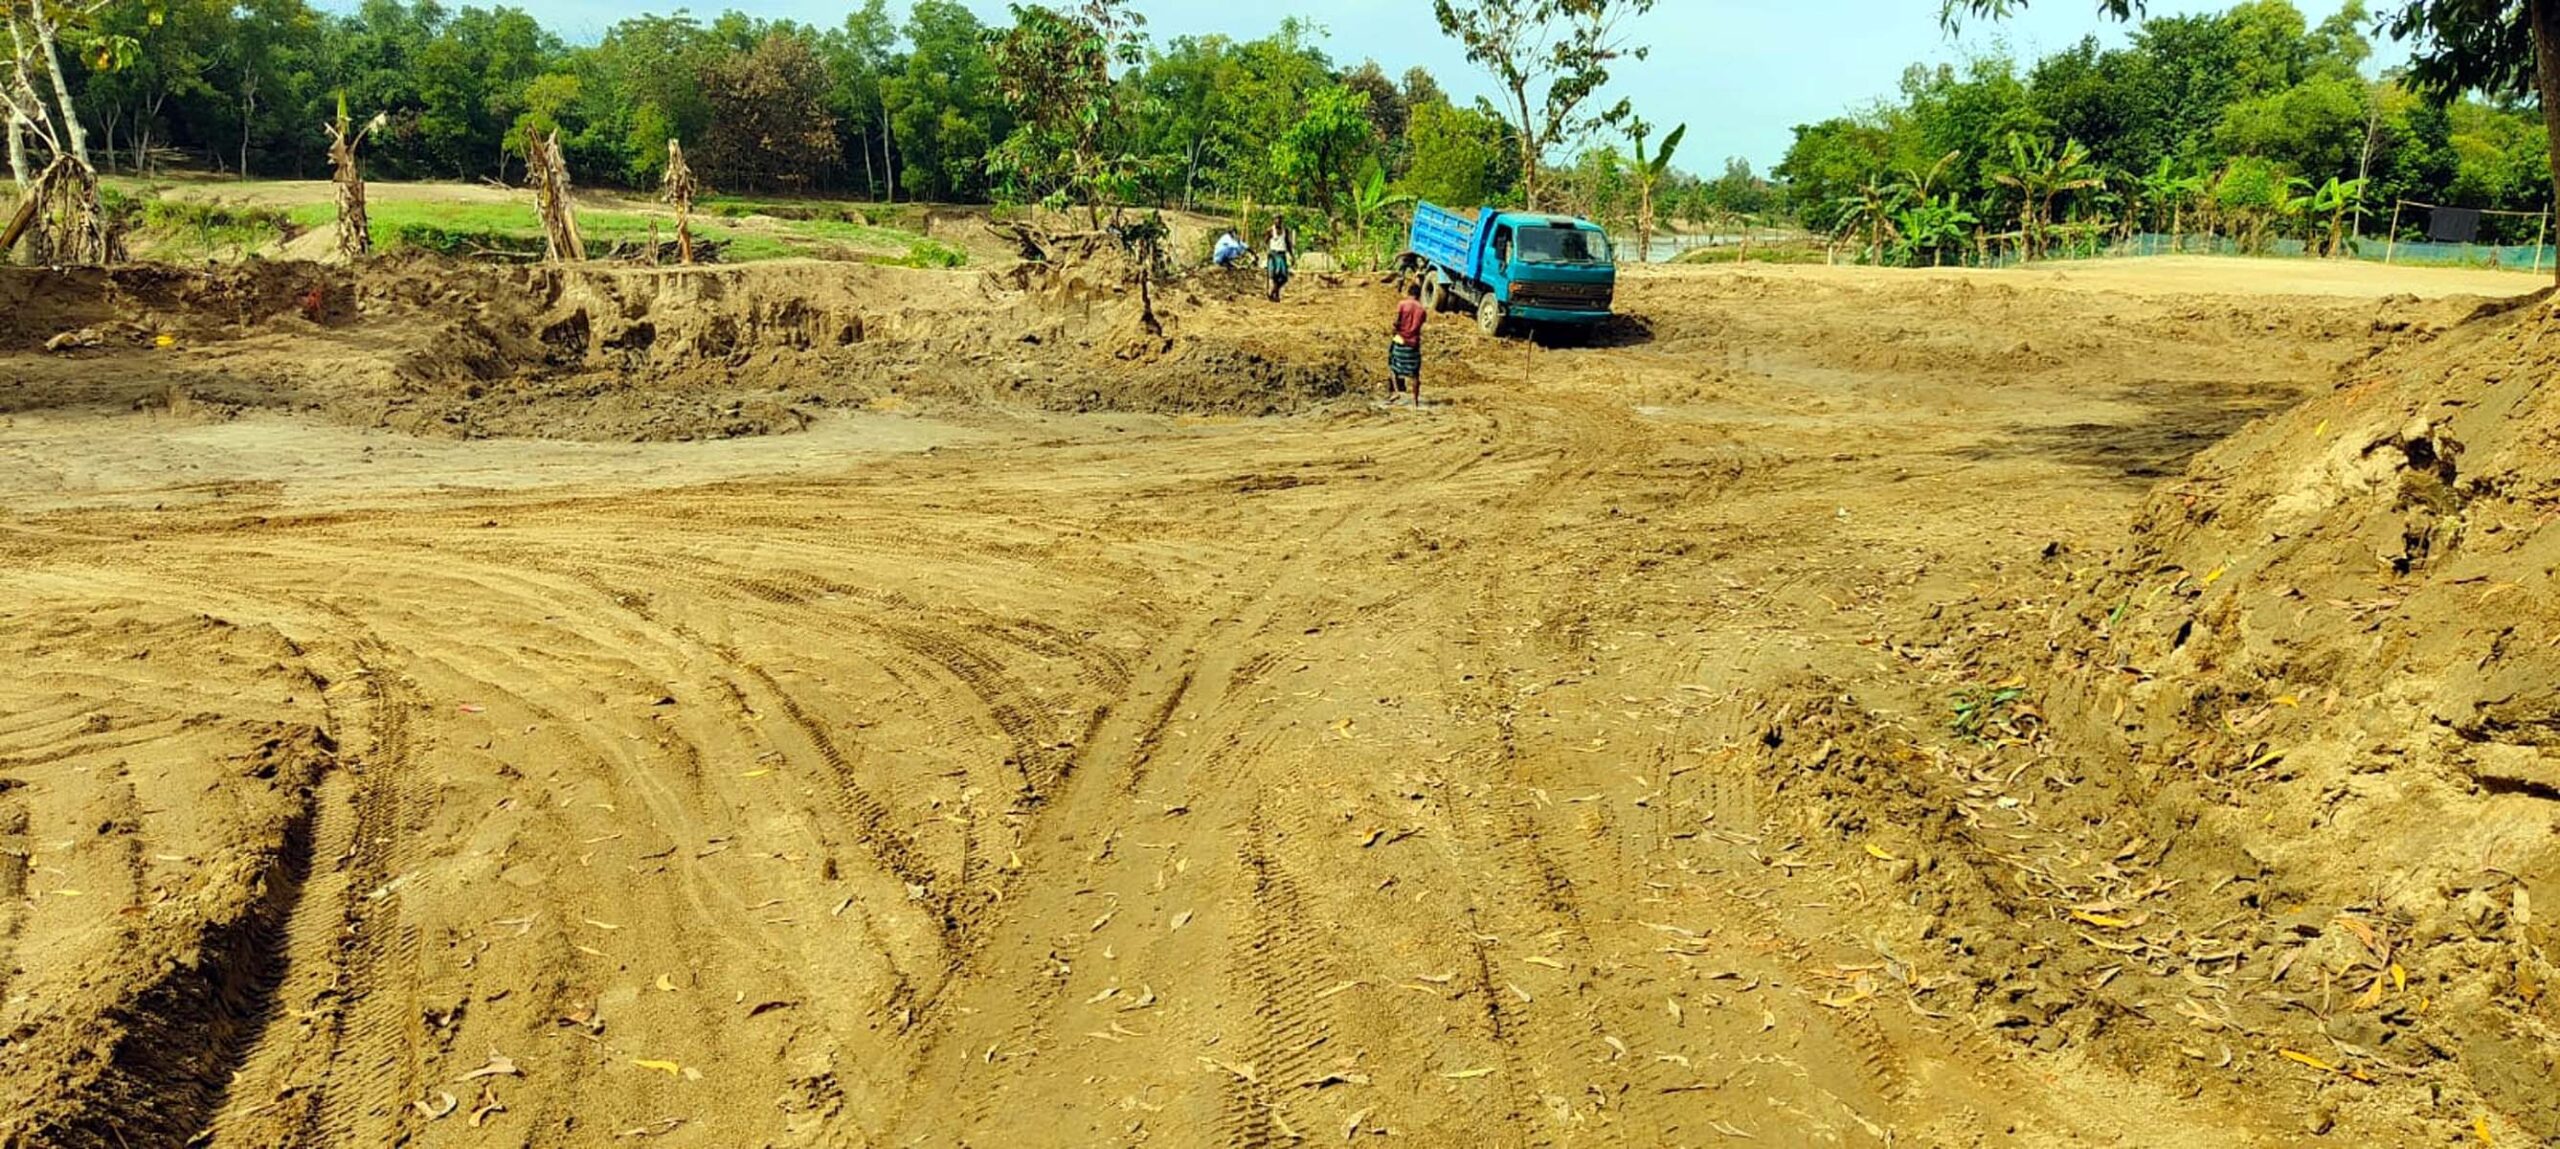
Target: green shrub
420,235
933,254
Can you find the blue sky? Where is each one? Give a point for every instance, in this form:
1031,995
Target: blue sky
1740,73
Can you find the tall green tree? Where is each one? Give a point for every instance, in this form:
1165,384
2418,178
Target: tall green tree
1320,156
172,61
2508,49
1550,58
1187,91
945,105
1830,162
265,65
1738,189
1458,157
859,54
645,78
770,129
471,82
1388,111
1056,70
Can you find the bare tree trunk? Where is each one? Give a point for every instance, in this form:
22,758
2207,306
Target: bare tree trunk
1528,151
888,152
355,228
1644,223
248,119
18,149
71,132
1191,174
679,189
870,175
550,178
2546,67
142,155
23,98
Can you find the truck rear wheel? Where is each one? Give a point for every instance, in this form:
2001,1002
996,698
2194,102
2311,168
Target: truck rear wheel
1434,297
1489,315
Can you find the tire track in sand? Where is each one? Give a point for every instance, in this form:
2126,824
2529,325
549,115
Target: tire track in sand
374,1033
1277,972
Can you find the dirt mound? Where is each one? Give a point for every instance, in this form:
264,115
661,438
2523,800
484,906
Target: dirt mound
2340,632
2265,798
128,306
433,347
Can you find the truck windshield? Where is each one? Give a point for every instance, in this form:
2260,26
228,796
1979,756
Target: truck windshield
1562,245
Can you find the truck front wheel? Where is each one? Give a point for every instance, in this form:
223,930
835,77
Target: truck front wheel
1489,315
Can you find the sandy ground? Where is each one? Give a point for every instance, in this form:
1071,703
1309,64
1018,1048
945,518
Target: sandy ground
980,774
2208,275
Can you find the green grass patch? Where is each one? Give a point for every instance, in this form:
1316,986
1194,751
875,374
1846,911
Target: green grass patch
893,216
514,229
195,228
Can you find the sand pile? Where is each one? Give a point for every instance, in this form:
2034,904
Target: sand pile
2264,800
2334,642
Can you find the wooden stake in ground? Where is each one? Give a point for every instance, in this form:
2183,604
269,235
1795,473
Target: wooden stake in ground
355,230
550,178
679,189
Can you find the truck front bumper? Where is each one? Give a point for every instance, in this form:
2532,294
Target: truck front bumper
1535,314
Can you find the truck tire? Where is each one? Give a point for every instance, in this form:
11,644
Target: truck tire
1435,298
1489,315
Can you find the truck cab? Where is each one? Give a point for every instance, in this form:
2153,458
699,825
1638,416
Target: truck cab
1510,266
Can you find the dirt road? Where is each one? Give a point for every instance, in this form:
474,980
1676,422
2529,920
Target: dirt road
970,774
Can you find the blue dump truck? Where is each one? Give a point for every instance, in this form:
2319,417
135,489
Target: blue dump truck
1512,267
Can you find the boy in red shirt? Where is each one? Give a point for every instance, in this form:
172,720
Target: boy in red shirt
1404,355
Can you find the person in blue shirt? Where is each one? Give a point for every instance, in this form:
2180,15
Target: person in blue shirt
1230,252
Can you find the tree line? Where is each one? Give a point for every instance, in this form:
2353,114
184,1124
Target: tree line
938,106
2249,126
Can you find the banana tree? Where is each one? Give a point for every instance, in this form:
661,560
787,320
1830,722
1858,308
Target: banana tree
1870,209
1932,226
1920,185
1649,172
2337,198
1370,203
2296,202
2164,189
2041,173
